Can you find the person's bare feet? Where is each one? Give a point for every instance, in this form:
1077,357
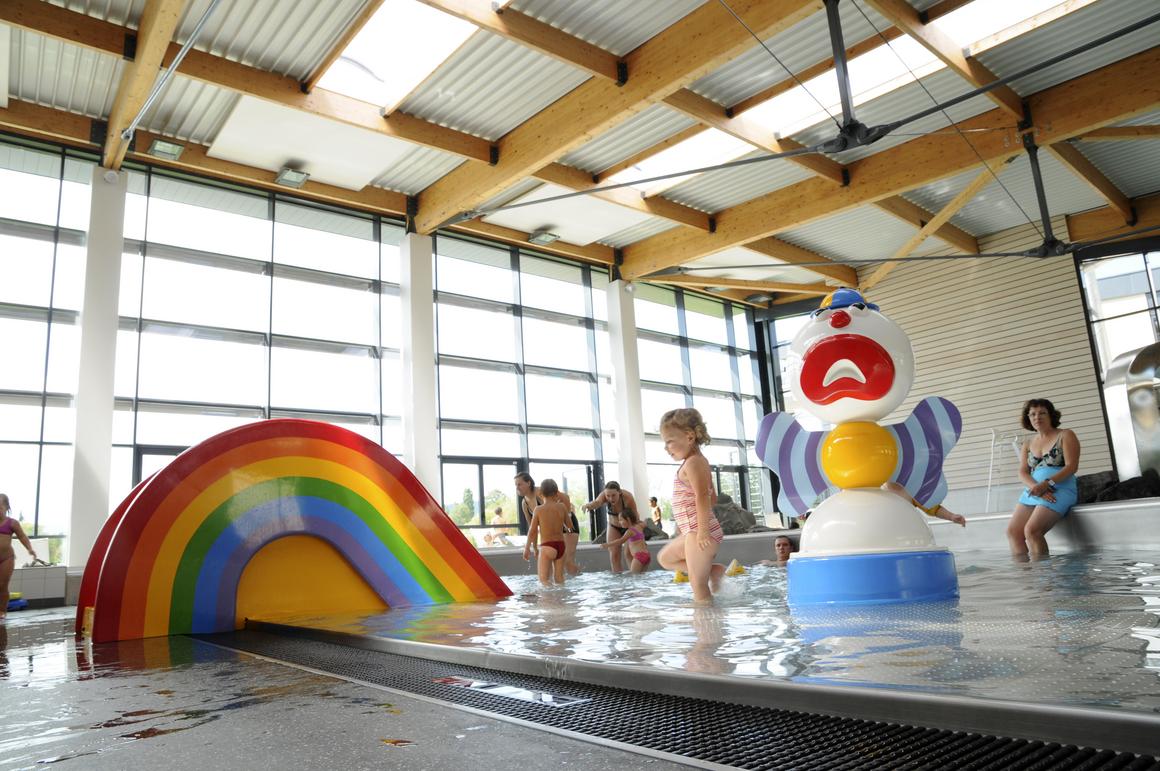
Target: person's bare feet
716,573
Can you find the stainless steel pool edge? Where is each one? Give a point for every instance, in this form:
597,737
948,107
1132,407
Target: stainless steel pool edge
1085,727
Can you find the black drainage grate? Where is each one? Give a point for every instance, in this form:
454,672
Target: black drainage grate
707,731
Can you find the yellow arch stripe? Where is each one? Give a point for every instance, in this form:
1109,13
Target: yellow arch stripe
161,580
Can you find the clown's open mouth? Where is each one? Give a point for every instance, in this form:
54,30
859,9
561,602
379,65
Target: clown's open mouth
846,366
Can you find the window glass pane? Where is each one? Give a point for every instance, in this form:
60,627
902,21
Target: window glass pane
125,368
476,333
25,270
660,362
785,329
719,415
551,285
473,270
457,441
392,430
747,372
608,419
392,236
20,420
655,308
122,425
208,218
24,348
304,308
660,486
654,404
69,289
654,452
572,480
325,240
198,369
391,319
550,344
461,497
120,476
723,454
324,380
710,368
1116,286
478,394
500,493
185,428
74,194
56,473
1123,334
599,295
136,205
603,352
64,358
129,301
204,294
558,401
705,319
29,184
608,447
751,414
729,483
19,462
59,423
561,445
392,376
742,329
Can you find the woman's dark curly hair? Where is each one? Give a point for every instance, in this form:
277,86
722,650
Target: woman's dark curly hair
1047,405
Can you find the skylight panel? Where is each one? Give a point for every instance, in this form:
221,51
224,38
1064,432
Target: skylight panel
705,149
403,43
980,20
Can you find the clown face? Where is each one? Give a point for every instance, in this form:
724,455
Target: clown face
850,364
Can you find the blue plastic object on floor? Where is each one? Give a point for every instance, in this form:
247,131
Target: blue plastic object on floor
17,604
867,579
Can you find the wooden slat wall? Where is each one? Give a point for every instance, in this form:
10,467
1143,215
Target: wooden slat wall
988,334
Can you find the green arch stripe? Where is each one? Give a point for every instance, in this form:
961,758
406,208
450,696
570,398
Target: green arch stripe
192,558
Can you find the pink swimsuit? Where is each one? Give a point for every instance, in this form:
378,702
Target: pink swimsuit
8,526
685,509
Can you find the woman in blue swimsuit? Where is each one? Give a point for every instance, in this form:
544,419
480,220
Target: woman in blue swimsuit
1047,465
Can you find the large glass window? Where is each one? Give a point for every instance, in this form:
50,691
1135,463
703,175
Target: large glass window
1122,295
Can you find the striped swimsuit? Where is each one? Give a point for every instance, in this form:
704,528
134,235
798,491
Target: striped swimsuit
685,509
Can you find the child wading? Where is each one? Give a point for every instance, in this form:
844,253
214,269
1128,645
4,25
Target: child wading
548,521
692,552
634,537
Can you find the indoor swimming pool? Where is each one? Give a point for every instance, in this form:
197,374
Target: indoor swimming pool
1076,630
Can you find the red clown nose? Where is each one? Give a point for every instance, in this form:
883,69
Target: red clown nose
839,319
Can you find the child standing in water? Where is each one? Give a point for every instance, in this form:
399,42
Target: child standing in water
634,537
692,552
548,522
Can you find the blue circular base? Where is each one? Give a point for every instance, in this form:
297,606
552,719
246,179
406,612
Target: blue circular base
866,579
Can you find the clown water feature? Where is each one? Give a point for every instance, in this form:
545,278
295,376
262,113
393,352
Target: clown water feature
850,366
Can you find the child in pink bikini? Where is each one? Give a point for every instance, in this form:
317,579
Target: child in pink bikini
692,552
634,537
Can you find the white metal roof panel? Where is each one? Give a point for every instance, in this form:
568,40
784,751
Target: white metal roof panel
518,190
490,86
614,25
66,77
993,209
189,109
862,233
418,169
290,37
722,189
630,235
1072,31
802,45
737,262
1134,166
642,131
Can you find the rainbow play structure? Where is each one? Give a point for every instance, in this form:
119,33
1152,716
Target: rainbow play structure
849,367
273,518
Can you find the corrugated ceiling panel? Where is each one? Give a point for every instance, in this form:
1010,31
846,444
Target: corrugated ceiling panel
417,170
613,25
864,233
55,74
900,103
189,109
993,210
290,37
1134,166
517,190
490,86
719,190
1074,30
649,227
630,137
739,262
801,46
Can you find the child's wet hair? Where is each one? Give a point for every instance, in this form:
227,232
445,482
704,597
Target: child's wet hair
630,515
548,488
687,419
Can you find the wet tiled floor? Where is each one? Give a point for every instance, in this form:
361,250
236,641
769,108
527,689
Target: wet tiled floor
178,703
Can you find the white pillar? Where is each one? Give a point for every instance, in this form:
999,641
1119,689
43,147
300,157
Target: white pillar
632,473
420,415
93,445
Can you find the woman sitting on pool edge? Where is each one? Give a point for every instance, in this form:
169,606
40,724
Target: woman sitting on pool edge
1047,466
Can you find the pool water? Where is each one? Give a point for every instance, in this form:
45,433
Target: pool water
1075,629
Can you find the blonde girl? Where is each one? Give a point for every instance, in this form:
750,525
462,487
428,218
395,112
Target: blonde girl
692,552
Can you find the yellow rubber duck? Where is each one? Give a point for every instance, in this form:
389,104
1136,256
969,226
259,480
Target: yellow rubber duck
679,577
735,569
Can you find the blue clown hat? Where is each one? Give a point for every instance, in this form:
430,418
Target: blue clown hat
844,298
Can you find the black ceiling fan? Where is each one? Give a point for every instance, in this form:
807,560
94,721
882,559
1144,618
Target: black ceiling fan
853,134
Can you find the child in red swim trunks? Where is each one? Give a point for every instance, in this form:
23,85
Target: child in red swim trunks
634,536
548,522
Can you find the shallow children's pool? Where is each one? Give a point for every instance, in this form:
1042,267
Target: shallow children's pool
1077,629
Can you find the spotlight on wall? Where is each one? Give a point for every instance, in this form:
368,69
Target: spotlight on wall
289,177
170,151
542,237
759,297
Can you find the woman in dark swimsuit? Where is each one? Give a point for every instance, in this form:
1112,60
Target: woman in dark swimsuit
9,527
618,500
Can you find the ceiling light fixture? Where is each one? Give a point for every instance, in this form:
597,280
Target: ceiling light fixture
542,237
288,177
759,297
161,148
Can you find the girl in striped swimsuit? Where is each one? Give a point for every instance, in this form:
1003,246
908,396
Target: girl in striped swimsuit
683,432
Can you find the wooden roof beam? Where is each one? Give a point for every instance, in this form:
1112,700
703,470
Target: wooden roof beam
791,254
689,279
912,213
1064,111
686,50
158,22
1107,222
1120,134
575,179
360,21
1079,165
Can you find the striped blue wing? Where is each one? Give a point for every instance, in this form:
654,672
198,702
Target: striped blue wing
924,441
794,454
